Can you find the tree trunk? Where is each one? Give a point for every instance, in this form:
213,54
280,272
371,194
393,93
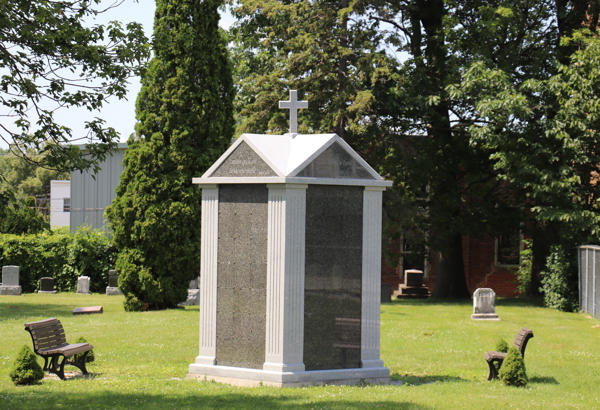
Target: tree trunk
450,279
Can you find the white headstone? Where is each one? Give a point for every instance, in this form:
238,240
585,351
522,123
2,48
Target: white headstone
83,284
484,305
293,105
10,281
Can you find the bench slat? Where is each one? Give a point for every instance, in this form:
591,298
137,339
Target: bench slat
41,324
51,333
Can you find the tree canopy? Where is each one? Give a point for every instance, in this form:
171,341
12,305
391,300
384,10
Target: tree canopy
389,76
51,59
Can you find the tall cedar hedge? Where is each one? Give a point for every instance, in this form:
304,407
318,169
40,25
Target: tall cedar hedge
185,121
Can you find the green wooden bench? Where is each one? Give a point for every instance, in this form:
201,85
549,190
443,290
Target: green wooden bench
49,341
520,343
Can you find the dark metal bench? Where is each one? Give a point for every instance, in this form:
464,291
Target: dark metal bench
520,343
49,341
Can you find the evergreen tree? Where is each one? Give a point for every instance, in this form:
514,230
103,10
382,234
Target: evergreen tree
185,121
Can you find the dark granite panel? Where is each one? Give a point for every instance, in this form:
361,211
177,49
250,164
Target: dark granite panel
242,275
333,270
335,162
243,162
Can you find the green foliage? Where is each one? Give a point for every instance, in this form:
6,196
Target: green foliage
22,217
502,346
52,56
26,369
524,272
560,280
90,357
185,122
513,371
61,255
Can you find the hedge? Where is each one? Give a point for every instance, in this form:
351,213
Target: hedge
61,255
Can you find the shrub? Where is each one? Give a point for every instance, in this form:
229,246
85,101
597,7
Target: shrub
560,280
90,357
502,346
524,272
513,369
26,368
61,255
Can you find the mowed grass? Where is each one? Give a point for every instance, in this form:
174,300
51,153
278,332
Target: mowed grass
435,349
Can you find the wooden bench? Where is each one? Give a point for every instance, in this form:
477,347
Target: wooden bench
49,341
520,343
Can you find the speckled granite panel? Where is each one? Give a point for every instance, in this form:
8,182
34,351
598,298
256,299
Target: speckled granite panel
335,162
242,275
332,304
244,162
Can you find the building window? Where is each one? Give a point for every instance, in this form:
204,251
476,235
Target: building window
66,204
508,249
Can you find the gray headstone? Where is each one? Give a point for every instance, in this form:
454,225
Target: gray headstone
112,278
193,298
47,285
484,304
195,283
10,276
386,293
83,284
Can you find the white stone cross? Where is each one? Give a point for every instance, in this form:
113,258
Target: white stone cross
293,105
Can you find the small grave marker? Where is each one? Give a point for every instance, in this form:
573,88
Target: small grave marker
484,305
88,310
47,285
10,281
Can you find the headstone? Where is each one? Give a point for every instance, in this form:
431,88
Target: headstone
88,310
290,283
112,288
413,277
484,305
10,281
46,285
386,293
83,285
193,297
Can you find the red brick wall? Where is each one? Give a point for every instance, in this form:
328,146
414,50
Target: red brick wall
480,269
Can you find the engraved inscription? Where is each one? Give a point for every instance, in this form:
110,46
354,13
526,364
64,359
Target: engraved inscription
243,162
335,162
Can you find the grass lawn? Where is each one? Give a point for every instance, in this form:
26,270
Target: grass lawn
434,348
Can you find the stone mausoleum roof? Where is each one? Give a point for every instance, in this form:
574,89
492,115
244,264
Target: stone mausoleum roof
291,158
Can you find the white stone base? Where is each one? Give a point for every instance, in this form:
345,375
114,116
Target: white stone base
10,290
193,298
113,291
485,316
239,376
48,292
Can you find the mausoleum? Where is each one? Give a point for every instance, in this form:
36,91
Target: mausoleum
290,263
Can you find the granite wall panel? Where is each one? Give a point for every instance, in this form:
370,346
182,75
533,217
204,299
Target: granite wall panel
333,280
242,276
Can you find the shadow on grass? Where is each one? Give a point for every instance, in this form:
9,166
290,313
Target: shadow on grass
10,310
420,380
513,302
204,398
543,380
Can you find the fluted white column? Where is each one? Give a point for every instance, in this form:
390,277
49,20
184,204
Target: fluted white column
371,277
285,278
208,274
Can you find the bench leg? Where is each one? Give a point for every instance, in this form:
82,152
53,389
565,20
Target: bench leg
56,368
80,362
493,365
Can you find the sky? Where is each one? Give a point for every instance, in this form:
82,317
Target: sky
119,114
